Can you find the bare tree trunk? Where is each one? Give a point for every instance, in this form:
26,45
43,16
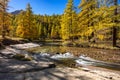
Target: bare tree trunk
114,27
114,37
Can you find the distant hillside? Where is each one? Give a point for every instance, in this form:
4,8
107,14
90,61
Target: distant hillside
16,12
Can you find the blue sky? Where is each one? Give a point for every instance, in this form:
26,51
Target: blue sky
48,7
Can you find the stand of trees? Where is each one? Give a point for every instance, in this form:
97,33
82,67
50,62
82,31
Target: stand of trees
96,20
30,26
4,18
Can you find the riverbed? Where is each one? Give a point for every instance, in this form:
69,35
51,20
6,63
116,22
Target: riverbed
106,55
46,55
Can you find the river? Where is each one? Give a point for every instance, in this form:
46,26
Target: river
107,58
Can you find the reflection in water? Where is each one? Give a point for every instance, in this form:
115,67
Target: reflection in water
49,49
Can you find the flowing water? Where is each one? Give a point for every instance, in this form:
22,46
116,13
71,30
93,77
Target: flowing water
102,58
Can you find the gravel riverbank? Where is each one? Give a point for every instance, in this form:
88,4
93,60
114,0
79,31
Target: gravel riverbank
44,69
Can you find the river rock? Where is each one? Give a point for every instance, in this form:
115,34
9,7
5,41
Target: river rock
83,62
25,46
40,55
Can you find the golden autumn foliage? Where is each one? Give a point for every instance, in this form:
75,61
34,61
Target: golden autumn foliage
94,16
26,28
68,21
89,22
4,18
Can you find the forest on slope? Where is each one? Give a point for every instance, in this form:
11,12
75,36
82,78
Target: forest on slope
92,20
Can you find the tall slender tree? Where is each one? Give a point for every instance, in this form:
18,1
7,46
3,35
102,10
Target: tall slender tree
3,8
26,28
66,21
87,18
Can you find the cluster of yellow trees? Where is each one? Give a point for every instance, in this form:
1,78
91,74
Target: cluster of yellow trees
30,26
92,20
95,18
4,18
101,15
26,27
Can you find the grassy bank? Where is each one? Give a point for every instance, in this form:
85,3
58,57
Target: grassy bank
99,44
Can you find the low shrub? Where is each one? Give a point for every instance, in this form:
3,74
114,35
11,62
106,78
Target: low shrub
22,57
67,43
69,62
